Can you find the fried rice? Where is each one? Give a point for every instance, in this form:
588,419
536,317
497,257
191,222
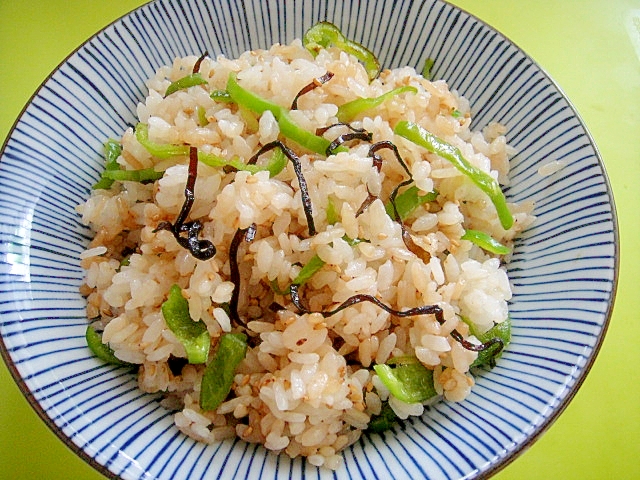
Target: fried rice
306,386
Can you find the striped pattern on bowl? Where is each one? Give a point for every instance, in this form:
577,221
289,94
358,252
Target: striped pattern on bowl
564,268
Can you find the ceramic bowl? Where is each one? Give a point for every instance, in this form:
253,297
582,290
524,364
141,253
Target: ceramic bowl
563,271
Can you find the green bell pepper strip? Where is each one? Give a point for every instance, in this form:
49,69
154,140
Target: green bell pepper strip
187,81
407,201
350,110
216,161
353,241
384,420
277,163
408,380
165,150
275,287
101,350
142,176
288,128
304,275
426,69
333,216
203,121
500,330
486,242
489,185
192,335
324,34
112,149
221,96
217,379
160,150
114,172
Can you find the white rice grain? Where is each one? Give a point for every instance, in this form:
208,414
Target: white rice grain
93,252
551,167
222,318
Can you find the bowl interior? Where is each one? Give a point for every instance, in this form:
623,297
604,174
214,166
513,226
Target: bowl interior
563,271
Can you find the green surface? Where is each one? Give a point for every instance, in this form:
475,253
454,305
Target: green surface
587,46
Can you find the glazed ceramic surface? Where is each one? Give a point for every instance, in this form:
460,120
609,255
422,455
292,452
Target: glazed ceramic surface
563,270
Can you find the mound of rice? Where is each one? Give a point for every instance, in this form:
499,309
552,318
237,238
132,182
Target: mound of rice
306,386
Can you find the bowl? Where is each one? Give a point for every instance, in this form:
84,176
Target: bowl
563,269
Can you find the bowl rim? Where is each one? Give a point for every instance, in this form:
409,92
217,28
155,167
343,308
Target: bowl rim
509,455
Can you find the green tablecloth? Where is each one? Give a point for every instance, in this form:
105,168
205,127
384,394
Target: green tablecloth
592,50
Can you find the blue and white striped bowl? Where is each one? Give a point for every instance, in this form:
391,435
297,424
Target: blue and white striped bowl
564,269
